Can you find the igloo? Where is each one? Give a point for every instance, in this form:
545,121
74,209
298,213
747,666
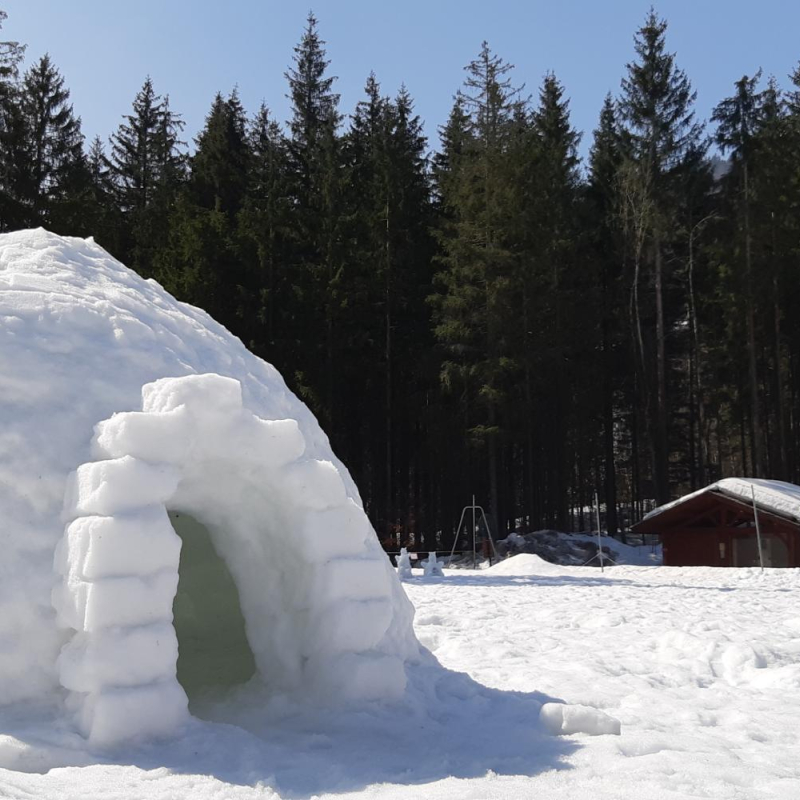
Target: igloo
173,518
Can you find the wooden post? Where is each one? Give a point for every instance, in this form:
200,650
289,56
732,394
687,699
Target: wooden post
474,536
599,540
758,527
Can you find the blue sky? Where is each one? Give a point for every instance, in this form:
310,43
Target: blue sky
193,48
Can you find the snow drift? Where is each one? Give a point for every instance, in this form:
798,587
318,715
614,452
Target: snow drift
141,442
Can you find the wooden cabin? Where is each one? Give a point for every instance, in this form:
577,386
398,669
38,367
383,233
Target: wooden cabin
715,527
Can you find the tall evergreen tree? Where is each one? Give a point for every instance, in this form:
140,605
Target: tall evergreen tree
53,139
265,222
204,263
662,142
476,278
11,132
389,263
557,282
316,168
737,119
147,168
605,159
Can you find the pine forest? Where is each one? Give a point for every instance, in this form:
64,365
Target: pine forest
476,310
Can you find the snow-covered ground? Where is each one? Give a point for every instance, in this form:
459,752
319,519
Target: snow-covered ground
701,666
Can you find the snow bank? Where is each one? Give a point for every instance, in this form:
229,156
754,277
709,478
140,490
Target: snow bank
121,404
577,549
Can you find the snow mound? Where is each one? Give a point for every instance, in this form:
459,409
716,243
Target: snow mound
124,409
524,564
576,549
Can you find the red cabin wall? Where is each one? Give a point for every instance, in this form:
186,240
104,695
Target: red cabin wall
701,547
690,549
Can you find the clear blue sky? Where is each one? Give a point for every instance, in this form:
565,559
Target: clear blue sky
193,48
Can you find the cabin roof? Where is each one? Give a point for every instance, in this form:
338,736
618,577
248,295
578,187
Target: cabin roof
776,497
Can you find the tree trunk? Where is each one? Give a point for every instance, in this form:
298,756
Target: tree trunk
756,437
661,453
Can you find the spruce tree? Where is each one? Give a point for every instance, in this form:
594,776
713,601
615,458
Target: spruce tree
606,253
662,141
11,134
318,183
388,268
476,280
147,168
554,277
739,119
99,203
53,140
265,222
204,263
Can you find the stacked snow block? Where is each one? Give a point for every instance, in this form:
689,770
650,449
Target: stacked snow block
119,561
328,618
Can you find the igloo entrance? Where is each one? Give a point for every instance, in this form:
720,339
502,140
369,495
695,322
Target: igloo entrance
213,650
269,569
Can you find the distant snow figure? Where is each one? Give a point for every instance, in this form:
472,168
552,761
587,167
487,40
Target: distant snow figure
404,565
433,568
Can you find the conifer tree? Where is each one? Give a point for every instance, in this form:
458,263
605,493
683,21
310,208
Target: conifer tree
454,140
53,139
606,253
265,222
11,133
389,264
553,247
316,169
476,278
203,264
147,169
741,120
662,141
98,204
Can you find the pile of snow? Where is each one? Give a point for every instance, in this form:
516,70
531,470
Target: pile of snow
524,564
120,405
776,496
576,549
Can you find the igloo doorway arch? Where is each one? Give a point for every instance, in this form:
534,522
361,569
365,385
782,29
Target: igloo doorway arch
322,608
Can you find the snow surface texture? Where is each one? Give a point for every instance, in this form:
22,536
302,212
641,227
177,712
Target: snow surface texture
776,496
119,405
701,666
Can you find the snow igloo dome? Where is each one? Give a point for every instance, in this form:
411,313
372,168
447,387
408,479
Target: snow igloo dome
173,519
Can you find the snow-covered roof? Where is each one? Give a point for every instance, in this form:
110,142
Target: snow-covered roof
777,497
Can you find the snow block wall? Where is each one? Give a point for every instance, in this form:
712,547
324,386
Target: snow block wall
123,405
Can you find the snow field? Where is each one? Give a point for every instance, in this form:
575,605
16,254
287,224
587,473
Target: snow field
700,666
